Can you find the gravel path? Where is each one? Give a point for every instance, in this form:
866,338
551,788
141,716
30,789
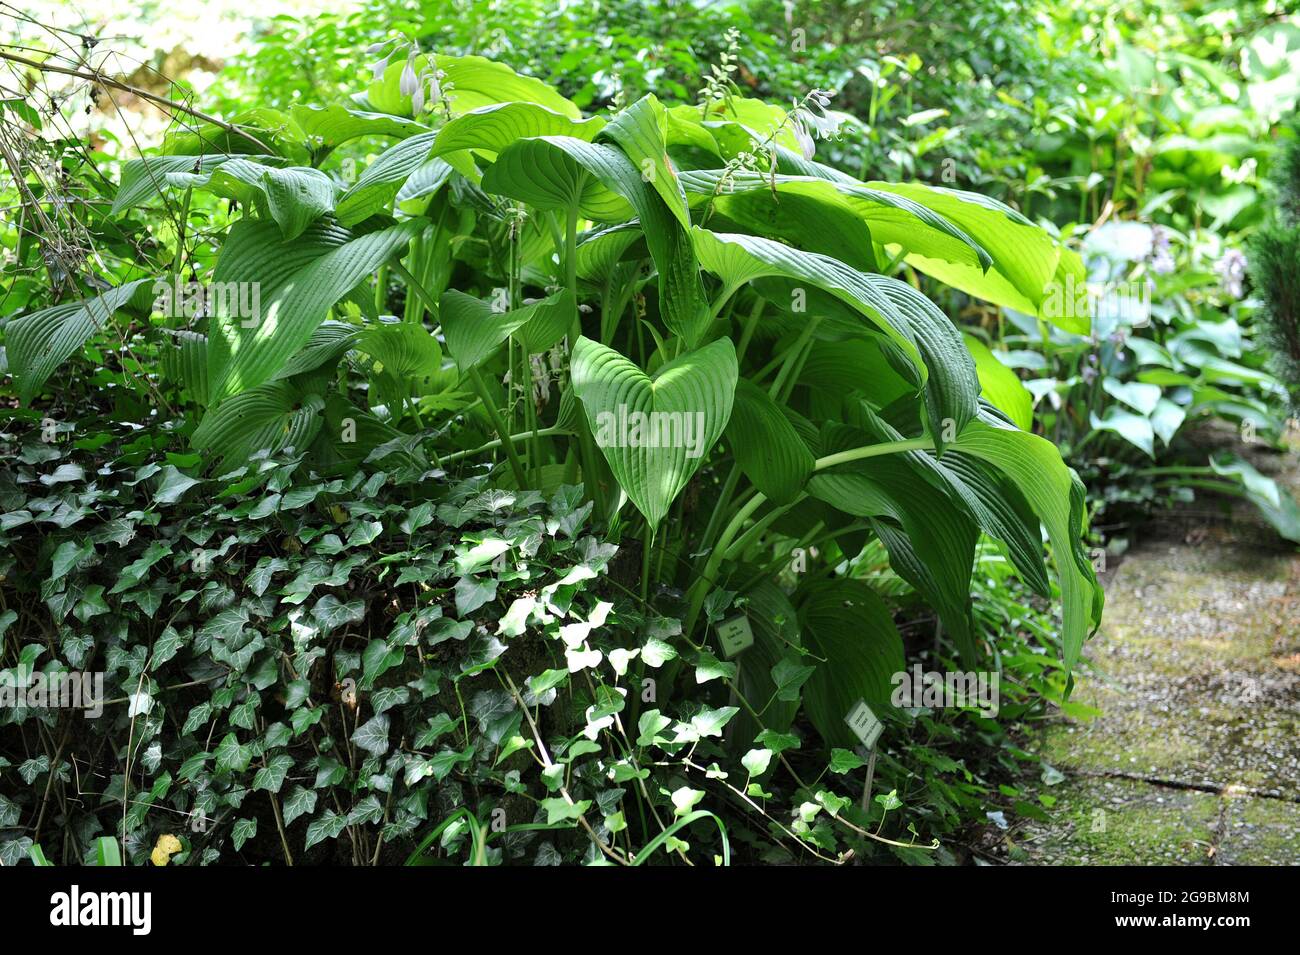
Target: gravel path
1194,756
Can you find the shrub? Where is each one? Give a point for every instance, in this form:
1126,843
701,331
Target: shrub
675,309
1275,264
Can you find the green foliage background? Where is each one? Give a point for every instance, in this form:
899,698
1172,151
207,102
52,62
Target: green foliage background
431,645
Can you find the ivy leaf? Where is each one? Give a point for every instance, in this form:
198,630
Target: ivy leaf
561,810
788,676
372,735
271,776
300,802
328,826
173,486
243,830
231,757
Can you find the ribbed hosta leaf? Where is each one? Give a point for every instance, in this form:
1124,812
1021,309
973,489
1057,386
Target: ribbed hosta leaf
428,178
556,173
294,197
990,497
474,329
767,448
526,172
347,436
493,128
299,281
470,82
783,204
334,125
600,252
270,418
143,178
406,350
655,431
551,319
185,362
38,343
1000,386
848,627
907,317
379,184
931,541
1057,497
1027,262
329,342
840,368
640,131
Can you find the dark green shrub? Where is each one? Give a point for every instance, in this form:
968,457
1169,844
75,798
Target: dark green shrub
1275,264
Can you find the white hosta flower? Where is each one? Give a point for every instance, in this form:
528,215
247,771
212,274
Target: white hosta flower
409,84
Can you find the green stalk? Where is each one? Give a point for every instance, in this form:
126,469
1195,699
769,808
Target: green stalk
381,286
586,446
708,577
494,416
750,324
792,356
493,445
415,285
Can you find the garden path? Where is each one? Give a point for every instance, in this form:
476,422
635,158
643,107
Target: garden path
1194,758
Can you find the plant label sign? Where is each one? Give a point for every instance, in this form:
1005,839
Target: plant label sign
735,636
864,724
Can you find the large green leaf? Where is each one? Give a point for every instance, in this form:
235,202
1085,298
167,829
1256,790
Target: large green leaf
185,362
1000,386
330,126
1056,494
930,340
763,202
379,184
556,173
846,625
641,130
299,281
474,329
269,418
328,342
294,197
38,343
655,431
767,448
1275,503
492,128
1028,264
404,349
470,82
143,178
931,541
347,437
548,173
991,498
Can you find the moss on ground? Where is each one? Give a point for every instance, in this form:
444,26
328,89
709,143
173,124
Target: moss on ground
1196,675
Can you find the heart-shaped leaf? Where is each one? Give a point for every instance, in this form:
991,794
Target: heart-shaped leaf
655,430
474,329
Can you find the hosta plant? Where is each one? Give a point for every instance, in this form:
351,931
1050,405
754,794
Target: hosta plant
674,307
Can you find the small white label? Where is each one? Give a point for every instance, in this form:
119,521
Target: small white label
864,724
735,636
